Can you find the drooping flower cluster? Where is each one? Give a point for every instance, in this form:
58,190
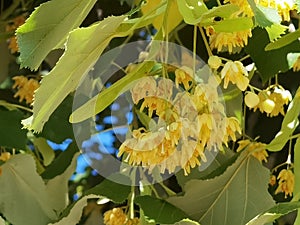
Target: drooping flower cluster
257,149
189,119
286,182
116,216
26,88
234,41
12,42
271,100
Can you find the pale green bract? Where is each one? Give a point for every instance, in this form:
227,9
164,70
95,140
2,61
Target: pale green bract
232,198
47,28
83,47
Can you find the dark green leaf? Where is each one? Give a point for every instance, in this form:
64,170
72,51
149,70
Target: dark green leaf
274,213
117,192
11,133
277,59
61,163
164,211
58,128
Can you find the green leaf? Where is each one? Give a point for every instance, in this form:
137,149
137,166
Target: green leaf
288,126
283,41
99,102
83,47
75,212
61,163
191,10
46,151
23,193
274,213
223,11
58,187
275,31
116,192
47,27
296,192
264,17
233,25
164,212
277,59
2,221
11,133
232,198
187,222
58,128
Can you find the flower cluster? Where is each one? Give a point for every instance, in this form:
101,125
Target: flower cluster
286,182
257,149
26,88
234,41
12,42
271,100
188,120
232,71
116,216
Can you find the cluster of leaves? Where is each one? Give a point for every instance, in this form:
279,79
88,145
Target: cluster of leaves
232,190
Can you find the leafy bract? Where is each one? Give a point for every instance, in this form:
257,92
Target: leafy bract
99,102
232,198
20,180
166,13
46,151
283,41
191,10
288,126
47,27
164,212
233,25
11,133
274,213
83,47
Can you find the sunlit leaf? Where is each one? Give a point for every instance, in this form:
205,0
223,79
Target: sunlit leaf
296,192
83,48
20,180
264,17
223,11
107,96
288,126
283,41
46,151
274,213
167,13
47,27
292,59
2,222
164,212
232,198
192,10
275,31
233,25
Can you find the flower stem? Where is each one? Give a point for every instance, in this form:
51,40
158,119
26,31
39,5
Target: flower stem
205,42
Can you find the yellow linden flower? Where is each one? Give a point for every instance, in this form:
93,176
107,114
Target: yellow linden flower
214,62
232,127
272,180
12,42
251,99
26,88
283,7
236,73
143,88
116,216
286,182
228,41
183,76
253,147
4,156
